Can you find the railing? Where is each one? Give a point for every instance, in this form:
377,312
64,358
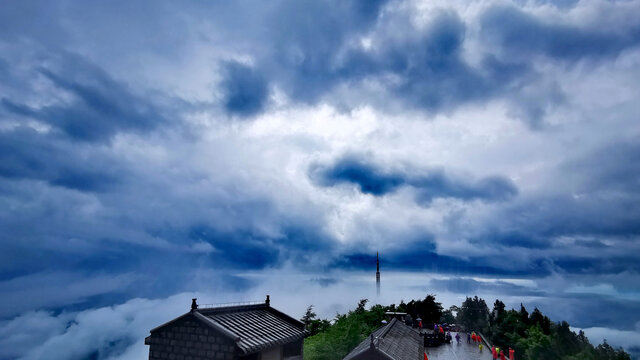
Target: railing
237,303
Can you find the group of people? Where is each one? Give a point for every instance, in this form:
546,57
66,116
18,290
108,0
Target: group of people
438,328
473,337
496,352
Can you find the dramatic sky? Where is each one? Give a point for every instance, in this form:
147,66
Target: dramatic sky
151,151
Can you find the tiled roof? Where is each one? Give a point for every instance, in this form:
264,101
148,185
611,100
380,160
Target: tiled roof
395,340
257,326
252,327
365,345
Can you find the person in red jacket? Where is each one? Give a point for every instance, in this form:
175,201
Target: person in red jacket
511,354
502,357
494,353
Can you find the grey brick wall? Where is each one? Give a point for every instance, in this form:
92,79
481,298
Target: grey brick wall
187,339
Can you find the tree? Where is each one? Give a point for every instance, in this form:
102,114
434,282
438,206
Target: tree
318,325
308,316
524,314
605,351
532,337
402,307
361,304
498,312
473,314
537,345
536,337
544,322
335,341
428,309
447,317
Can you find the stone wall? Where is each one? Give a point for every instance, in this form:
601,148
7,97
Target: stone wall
188,339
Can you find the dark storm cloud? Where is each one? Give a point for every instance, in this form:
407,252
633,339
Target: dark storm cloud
306,39
586,214
517,239
597,265
100,106
238,249
428,65
432,185
583,229
432,72
28,154
245,90
370,179
602,201
248,249
523,35
421,255
613,169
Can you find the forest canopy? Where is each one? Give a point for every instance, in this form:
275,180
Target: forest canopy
532,335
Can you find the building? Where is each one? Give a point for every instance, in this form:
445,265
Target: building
394,341
242,332
402,316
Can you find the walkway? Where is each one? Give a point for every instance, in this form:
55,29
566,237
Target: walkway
454,351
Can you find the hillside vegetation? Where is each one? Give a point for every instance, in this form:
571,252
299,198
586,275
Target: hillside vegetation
533,336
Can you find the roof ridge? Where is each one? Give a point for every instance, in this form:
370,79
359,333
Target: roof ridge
387,328
222,309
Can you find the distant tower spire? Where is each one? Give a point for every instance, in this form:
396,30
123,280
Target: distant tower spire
377,274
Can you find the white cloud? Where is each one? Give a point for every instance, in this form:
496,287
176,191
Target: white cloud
614,337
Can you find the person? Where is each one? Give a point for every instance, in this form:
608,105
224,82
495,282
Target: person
494,353
480,347
502,357
468,338
458,338
511,354
435,327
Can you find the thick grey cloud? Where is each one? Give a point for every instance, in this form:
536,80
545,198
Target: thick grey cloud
99,106
431,185
28,154
524,35
245,91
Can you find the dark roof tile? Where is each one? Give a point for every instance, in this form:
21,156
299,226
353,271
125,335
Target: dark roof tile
395,340
252,327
